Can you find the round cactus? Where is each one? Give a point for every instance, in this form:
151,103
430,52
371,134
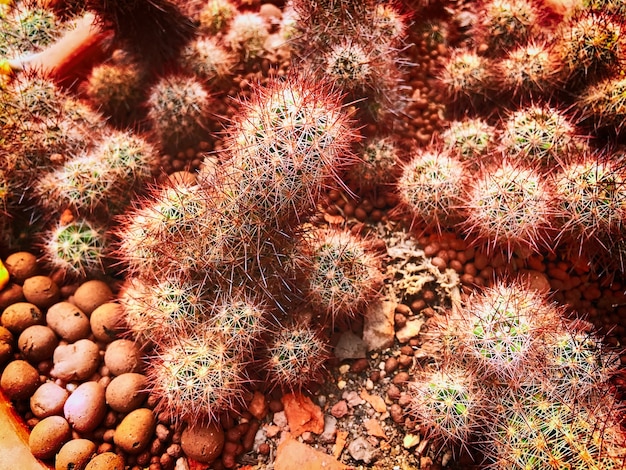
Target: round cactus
591,199
590,44
247,35
341,272
206,58
28,28
448,404
388,24
178,107
116,89
377,166
604,104
471,140
502,331
505,23
430,188
77,248
196,378
509,206
539,135
296,355
465,75
215,16
530,70
349,66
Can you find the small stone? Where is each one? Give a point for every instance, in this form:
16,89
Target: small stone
292,454
378,325
377,402
410,330
19,380
359,365
258,406
350,346
360,449
352,398
410,440
135,431
86,407
280,420
48,436
203,443
75,454
339,409
330,430
106,461
373,428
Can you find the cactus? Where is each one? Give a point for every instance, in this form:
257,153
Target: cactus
116,89
247,35
589,45
448,404
196,378
591,199
430,188
341,272
377,166
505,23
604,104
295,356
501,331
77,248
178,107
206,58
28,28
509,206
471,140
530,70
215,16
540,135
465,75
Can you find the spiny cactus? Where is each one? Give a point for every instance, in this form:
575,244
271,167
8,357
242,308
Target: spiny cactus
505,23
465,75
102,179
207,58
591,198
195,378
430,187
77,248
471,139
448,404
295,356
509,206
247,34
603,104
378,165
530,70
341,272
501,331
28,28
540,135
591,44
178,107
215,16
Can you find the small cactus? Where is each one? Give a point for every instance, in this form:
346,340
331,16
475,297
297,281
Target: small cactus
296,355
604,104
341,272
247,35
471,140
195,378
178,107
465,75
215,16
206,58
509,206
377,166
430,188
77,248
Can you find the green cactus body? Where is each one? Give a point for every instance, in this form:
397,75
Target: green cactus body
470,139
467,75
507,22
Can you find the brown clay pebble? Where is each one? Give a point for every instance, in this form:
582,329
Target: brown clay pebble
48,400
135,431
106,461
85,408
91,294
21,266
48,436
203,443
127,392
75,455
107,322
37,343
68,321
76,361
122,356
19,380
41,291
17,317
6,345
11,294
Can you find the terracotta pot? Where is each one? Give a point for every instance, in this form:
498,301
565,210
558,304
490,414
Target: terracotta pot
14,451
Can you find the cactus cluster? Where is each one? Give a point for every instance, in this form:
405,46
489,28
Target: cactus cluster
519,381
